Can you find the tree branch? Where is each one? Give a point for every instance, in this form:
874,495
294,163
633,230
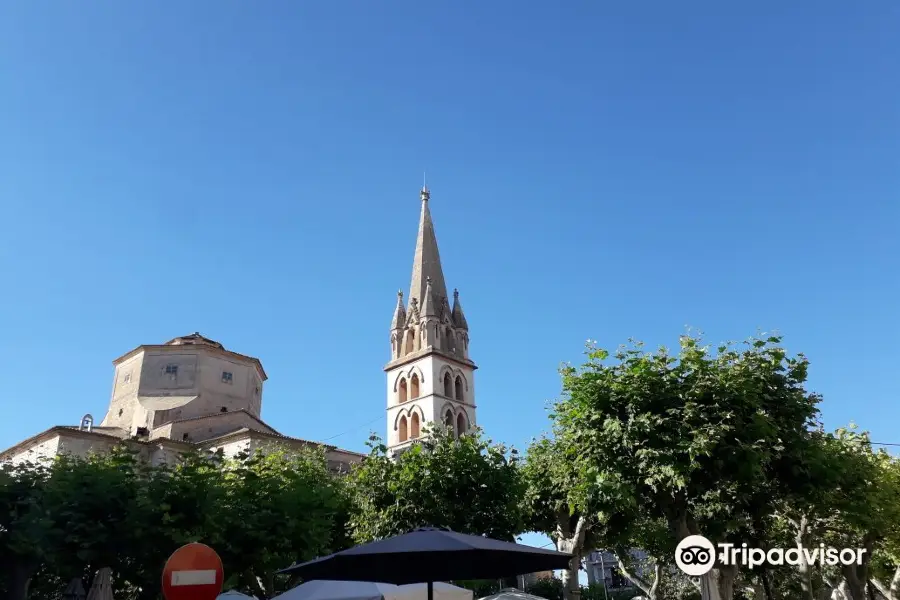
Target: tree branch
657,575
880,587
642,584
580,530
255,584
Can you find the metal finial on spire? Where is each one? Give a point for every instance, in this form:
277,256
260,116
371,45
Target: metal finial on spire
399,293
455,293
425,195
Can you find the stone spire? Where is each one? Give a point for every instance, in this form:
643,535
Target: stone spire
427,261
429,305
459,319
399,320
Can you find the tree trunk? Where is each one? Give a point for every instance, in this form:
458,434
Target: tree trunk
871,592
718,584
857,576
709,586
895,585
843,591
727,577
881,589
571,542
802,540
758,591
856,588
255,585
767,585
19,579
648,589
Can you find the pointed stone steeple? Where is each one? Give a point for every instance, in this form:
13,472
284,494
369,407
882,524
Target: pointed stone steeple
430,377
427,261
399,320
459,319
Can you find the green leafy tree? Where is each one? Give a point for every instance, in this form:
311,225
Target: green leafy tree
68,518
689,439
862,511
24,525
469,485
178,504
556,506
551,588
276,508
260,512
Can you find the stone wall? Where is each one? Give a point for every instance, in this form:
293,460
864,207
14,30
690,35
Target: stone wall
41,451
207,380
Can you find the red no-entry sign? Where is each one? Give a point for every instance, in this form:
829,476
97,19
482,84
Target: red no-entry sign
193,572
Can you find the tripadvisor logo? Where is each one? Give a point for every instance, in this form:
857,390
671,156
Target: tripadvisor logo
696,556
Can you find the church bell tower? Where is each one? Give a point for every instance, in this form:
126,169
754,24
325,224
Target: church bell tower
430,378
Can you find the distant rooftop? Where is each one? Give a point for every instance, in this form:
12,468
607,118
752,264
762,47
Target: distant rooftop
194,339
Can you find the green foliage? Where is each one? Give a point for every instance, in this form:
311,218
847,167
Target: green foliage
550,588
468,485
597,592
551,481
686,439
74,516
277,508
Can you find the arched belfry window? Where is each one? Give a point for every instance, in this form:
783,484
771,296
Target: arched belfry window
404,395
414,386
414,426
459,388
403,434
460,424
448,385
448,419
410,340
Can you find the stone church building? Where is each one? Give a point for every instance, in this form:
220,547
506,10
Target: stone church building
193,393
189,393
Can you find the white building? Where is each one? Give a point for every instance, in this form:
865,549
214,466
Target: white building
430,377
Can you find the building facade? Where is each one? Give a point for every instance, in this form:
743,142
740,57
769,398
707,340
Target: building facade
187,394
430,377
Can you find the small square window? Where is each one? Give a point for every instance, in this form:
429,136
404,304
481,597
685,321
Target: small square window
257,390
172,370
127,378
227,377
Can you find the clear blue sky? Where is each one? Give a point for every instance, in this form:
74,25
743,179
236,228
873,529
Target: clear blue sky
599,170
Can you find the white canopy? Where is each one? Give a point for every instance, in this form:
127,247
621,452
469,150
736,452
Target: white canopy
512,594
367,590
442,591
234,595
342,590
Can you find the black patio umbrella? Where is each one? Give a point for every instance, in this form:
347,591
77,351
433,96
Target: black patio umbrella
428,555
